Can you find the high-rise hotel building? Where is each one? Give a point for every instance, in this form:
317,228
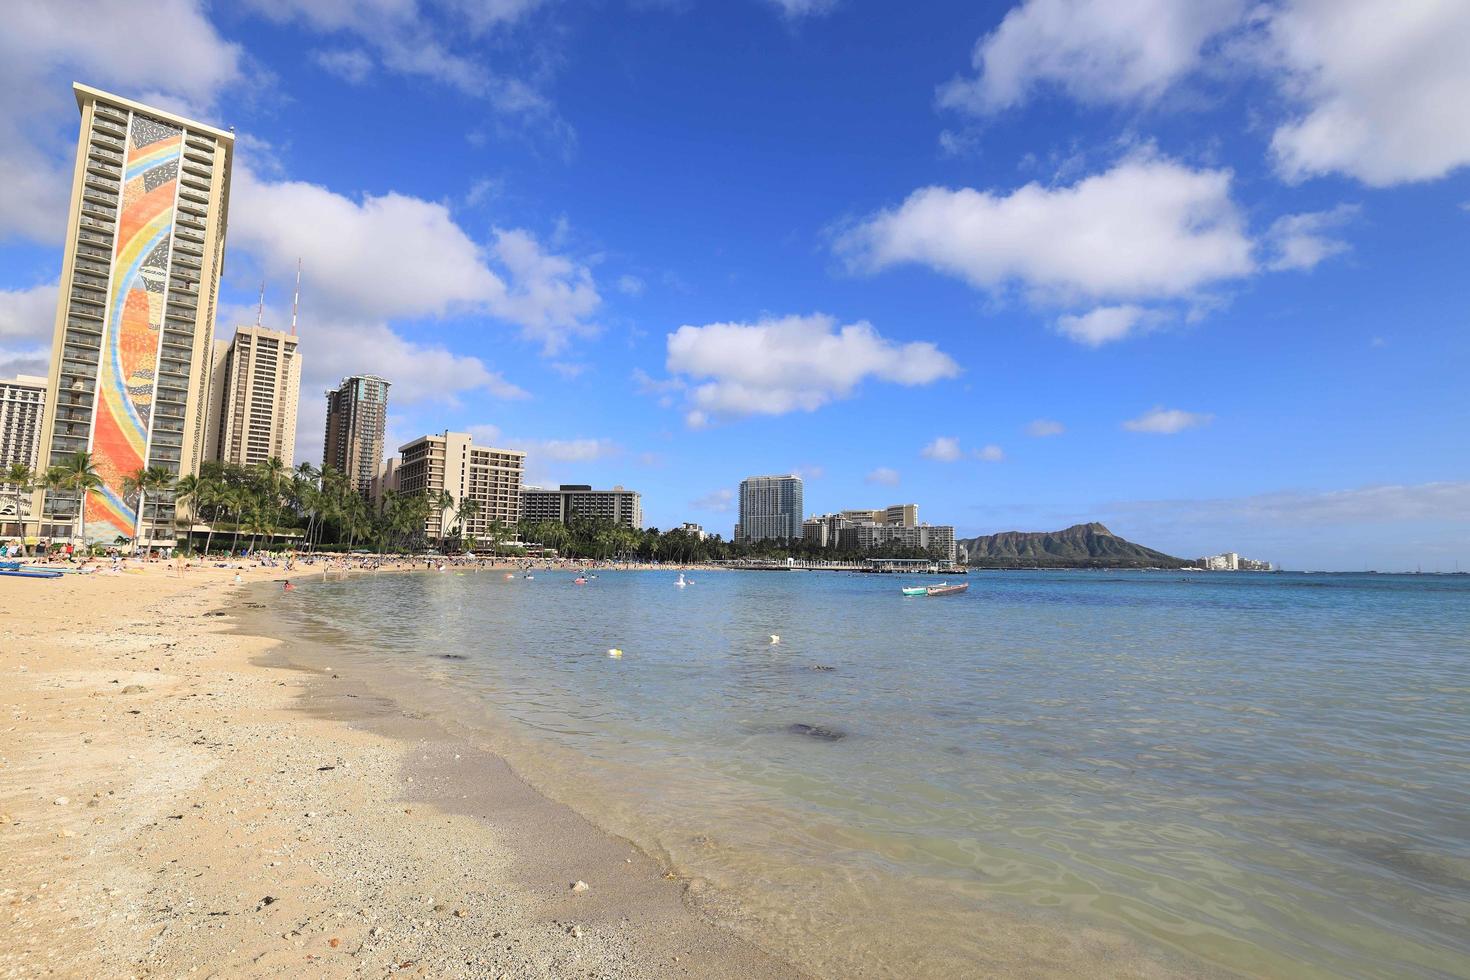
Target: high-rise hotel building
256,387
452,463
22,400
131,353
770,507
357,417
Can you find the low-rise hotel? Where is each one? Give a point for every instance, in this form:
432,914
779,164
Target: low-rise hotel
866,530
573,500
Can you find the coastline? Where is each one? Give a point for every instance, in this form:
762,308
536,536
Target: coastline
179,794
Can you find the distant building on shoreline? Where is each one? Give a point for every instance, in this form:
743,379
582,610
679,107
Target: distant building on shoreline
132,345
451,462
693,530
384,480
900,515
1232,562
867,530
357,417
254,394
22,406
770,508
573,500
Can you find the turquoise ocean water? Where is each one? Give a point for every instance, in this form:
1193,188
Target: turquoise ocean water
1066,772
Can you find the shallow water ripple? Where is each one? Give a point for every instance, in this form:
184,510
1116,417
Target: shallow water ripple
1265,774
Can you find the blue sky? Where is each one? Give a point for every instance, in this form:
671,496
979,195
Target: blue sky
1194,269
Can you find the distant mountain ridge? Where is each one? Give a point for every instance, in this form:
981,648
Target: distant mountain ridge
1080,546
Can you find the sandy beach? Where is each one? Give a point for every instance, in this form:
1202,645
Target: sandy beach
177,798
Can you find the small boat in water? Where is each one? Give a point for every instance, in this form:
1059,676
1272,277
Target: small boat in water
917,590
944,588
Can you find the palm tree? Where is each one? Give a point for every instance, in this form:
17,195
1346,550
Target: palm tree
146,481
55,485
234,500
198,493
444,504
134,484
304,486
80,478
21,478
469,509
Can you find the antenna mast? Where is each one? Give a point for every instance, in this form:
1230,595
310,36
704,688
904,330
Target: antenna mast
260,307
296,299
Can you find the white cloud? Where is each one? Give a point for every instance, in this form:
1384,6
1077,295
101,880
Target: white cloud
550,296
720,501
662,389
1376,90
945,449
1106,324
569,450
792,363
630,286
27,314
803,8
1301,241
433,269
1041,428
173,57
24,360
990,453
1167,421
1113,51
349,64
570,370
1149,228
1383,504
334,346
485,434
1382,87
883,476
27,319
441,41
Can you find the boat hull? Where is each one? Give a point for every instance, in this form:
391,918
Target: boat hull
938,590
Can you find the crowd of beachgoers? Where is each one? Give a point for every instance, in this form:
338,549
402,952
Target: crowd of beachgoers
117,560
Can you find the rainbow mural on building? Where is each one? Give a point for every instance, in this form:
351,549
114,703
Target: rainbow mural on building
125,384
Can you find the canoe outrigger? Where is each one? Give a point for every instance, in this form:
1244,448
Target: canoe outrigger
943,588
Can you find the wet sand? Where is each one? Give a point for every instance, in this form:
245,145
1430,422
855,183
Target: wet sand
178,797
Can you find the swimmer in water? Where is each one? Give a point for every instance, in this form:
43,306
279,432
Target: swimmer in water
288,587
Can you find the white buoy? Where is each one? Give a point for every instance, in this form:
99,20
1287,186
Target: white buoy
775,639
615,653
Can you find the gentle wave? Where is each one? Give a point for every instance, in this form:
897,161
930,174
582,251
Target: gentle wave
1056,772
